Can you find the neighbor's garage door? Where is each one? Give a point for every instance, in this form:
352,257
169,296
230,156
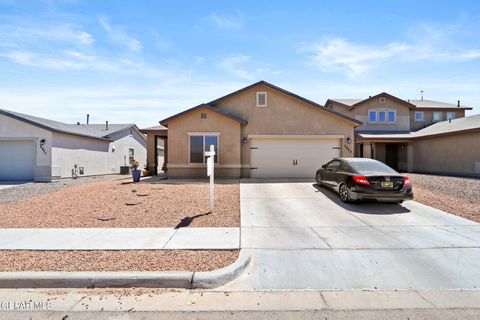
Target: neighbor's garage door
291,158
16,160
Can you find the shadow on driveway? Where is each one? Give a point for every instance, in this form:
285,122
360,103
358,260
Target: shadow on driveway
370,207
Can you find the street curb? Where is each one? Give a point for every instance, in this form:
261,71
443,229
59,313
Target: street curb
216,278
185,280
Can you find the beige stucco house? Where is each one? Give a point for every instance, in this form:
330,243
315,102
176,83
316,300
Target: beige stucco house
38,149
258,131
414,135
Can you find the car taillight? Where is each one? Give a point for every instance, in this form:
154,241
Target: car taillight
406,181
361,180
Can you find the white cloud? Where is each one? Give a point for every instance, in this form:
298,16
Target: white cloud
234,65
241,66
120,36
15,36
225,22
338,54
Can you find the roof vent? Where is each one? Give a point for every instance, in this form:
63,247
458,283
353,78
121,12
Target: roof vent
458,103
88,118
78,123
106,125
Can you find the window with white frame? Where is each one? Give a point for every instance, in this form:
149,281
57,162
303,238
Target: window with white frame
261,99
437,116
392,117
450,115
199,144
419,116
381,116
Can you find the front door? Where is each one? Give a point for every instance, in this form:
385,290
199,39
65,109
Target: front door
391,155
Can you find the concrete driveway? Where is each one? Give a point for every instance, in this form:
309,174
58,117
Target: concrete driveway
302,236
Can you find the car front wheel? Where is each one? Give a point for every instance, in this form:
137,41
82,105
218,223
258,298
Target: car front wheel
344,193
318,178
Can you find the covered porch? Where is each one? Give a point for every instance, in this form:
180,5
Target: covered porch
157,149
394,150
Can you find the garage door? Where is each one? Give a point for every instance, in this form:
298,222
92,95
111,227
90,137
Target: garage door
291,158
16,160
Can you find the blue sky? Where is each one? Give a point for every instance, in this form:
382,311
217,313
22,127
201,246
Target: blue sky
142,61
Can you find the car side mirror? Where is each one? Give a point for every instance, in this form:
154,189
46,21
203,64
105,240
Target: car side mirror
324,166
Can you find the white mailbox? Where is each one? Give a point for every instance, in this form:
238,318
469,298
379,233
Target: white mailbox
210,168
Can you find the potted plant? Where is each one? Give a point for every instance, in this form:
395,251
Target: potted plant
135,172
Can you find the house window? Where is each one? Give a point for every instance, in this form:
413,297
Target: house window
261,99
450,115
381,116
199,144
382,100
203,115
437,116
419,116
392,117
131,155
372,117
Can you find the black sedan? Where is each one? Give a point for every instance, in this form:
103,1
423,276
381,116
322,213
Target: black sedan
364,179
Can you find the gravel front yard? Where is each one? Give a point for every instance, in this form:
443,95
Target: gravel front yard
149,205
29,190
141,260
460,196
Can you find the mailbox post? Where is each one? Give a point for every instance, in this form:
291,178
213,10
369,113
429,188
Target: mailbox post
210,166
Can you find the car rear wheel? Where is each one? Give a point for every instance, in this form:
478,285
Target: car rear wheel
344,193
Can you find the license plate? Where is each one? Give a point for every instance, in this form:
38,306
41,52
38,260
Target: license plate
387,184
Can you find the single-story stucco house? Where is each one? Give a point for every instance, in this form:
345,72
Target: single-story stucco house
258,131
37,149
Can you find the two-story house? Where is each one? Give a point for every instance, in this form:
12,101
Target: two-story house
394,131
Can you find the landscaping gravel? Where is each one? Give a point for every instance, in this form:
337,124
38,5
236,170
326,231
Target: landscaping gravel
28,190
167,205
460,196
132,260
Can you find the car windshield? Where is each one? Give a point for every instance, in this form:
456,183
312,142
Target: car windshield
371,167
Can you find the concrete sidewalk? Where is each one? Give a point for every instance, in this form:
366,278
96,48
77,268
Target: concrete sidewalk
120,239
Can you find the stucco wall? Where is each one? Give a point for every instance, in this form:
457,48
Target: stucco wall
455,154
178,140
284,115
12,129
428,118
402,121
94,155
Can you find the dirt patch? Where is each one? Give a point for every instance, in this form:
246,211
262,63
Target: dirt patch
165,205
141,260
455,195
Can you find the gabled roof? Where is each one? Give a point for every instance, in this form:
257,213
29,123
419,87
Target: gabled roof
95,131
419,104
386,95
164,122
291,94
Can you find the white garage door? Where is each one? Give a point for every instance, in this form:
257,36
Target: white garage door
16,160
291,158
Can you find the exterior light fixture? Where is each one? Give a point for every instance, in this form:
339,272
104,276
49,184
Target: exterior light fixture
349,140
245,140
42,143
